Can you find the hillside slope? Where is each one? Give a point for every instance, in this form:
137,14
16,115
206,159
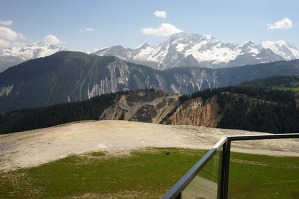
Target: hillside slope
74,76
254,109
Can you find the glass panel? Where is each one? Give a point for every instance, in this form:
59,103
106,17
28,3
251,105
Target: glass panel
264,169
205,184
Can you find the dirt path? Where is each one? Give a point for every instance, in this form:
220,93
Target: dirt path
33,148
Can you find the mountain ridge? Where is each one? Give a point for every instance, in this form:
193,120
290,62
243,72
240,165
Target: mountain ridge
205,49
179,50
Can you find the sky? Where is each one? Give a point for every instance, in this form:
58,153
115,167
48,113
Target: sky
89,25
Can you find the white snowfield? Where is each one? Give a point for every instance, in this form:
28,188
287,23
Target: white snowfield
204,48
32,148
32,51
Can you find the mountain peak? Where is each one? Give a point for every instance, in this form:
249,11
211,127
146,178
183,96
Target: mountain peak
206,50
250,42
142,46
282,48
18,54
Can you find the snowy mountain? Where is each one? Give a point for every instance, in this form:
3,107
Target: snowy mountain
184,49
282,48
15,55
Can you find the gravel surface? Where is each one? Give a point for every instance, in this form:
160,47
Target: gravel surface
32,148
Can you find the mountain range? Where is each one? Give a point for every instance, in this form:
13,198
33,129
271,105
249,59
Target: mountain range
74,76
18,54
184,49
180,50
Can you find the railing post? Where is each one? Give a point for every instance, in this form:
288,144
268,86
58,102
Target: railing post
225,170
179,196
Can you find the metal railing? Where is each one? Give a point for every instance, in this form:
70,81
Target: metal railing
219,154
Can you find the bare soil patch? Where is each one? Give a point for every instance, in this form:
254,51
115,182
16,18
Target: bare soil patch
32,148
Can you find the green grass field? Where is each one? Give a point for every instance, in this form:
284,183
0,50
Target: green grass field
143,174
260,176
147,174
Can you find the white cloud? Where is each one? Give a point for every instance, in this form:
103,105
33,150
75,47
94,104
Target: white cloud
6,23
165,30
86,30
8,34
89,29
285,23
4,43
52,39
9,37
160,13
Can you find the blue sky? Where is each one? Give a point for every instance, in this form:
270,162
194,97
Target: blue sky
85,25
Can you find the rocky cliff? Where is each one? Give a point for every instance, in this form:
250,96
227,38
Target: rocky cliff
159,107
142,106
196,112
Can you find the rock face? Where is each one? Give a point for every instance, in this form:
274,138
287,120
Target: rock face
161,108
142,106
196,112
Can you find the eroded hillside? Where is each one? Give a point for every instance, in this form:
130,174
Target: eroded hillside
162,108
254,109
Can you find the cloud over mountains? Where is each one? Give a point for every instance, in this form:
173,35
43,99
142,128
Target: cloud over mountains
164,30
285,23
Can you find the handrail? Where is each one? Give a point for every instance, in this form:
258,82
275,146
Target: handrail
187,178
262,136
225,142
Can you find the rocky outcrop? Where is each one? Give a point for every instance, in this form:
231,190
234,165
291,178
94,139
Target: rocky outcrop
142,106
158,107
196,112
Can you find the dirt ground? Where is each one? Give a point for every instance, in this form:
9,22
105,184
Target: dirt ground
32,148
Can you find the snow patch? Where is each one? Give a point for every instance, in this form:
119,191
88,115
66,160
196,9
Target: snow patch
174,89
6,90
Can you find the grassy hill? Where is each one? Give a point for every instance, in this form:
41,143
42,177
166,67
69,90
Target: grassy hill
244,108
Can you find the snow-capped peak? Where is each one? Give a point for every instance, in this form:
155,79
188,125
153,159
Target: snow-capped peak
32,51
18,54
184,37
206,50
250,42
144,45
282,48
